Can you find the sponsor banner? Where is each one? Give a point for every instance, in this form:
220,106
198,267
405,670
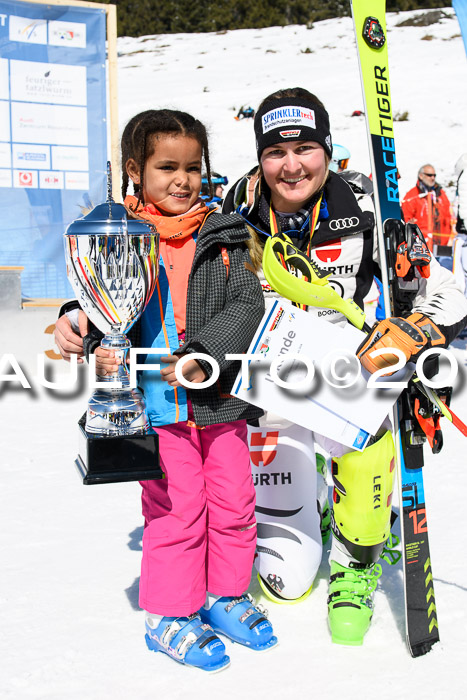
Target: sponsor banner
5,155
5,178
24,178
76,181
288,116
50,180
27,30
30,156
37,123
70,158
49,83
69,34
53,149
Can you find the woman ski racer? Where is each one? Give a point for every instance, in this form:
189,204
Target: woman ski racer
292,191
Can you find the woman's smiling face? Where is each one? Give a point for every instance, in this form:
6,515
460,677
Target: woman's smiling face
294,172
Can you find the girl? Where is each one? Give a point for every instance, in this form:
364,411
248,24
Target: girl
292,190
200,530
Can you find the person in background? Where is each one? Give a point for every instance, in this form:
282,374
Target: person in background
213,196
340,164
245,113
340,158
428,206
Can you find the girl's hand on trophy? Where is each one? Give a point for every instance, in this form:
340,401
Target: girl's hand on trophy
192,371
66,336
106,362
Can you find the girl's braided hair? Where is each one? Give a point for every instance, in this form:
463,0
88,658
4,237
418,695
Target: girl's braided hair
141,132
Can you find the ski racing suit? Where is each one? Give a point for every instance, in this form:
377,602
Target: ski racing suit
289,546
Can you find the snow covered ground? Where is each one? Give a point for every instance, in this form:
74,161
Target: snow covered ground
212,75
70,624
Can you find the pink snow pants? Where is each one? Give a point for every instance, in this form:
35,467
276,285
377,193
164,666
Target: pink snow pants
200,528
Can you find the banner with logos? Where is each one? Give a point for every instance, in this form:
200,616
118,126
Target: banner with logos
53,136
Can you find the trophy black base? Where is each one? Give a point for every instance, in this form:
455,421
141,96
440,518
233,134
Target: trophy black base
108,460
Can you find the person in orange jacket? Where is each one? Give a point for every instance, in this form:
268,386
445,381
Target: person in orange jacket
428,206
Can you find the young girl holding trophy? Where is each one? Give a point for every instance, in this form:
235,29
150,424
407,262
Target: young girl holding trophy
200,530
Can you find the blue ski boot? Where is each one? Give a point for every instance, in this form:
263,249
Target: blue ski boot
242,621
189,641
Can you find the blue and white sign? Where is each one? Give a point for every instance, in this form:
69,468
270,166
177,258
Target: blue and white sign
53,135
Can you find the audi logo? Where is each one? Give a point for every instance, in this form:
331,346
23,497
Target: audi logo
339,224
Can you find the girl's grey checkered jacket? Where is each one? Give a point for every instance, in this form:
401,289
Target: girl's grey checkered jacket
222,315
224,307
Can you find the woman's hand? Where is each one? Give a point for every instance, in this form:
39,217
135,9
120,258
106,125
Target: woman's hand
192,371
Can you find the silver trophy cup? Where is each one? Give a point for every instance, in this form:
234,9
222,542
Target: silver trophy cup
112,265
